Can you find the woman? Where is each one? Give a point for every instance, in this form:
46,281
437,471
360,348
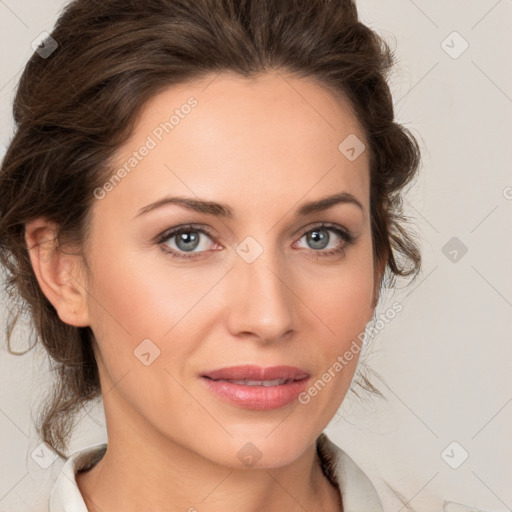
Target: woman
260,133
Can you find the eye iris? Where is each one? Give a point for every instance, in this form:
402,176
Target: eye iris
187,237
318,238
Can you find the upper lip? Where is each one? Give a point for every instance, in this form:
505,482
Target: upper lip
252,372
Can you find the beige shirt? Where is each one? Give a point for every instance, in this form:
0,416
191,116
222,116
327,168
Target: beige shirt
358,493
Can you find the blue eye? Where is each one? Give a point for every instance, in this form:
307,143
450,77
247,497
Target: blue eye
316,237
188,238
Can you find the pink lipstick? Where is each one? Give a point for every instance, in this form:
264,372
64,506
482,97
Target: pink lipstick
257,388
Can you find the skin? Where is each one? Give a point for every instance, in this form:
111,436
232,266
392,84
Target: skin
264,147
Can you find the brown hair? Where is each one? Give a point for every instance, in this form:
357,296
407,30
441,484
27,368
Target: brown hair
75,107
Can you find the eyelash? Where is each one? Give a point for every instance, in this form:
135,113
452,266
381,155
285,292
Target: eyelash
167,235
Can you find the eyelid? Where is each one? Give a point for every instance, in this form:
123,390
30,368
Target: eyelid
183,227
328,225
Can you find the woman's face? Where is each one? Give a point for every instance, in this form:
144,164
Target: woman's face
261,286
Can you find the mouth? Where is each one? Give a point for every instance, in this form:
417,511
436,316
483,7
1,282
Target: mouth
256,388
252,375
265,383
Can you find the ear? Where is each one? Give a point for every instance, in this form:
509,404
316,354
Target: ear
59,272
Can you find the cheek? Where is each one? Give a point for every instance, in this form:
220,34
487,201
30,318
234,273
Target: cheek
341,310
343,301
131,296
132,311
348,308
139,298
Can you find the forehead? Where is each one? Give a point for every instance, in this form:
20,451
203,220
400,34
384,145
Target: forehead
223,134
271,101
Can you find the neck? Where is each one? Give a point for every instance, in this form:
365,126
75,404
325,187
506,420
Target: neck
144,473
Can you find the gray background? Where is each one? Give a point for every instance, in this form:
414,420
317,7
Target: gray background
445,359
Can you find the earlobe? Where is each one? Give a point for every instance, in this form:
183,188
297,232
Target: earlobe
59,272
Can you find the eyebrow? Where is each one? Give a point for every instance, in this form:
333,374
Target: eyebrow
225,211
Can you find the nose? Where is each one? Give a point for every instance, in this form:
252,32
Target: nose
261,299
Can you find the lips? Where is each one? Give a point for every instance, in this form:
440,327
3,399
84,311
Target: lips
252,374
257,388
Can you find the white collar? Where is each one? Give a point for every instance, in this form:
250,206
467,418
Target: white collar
65,495
357,492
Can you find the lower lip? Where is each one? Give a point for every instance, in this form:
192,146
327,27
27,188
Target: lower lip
257,398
